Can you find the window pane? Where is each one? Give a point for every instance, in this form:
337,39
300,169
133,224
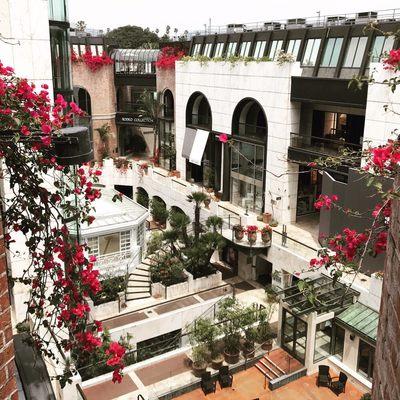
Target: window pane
244,49
294,47
362,43
259,50
323,336
366,355
336,52
93,243
125,241
326,59
218,49
389,42
377,48
311,52
338,342
231,49
351,51
275,49
109,243
314,52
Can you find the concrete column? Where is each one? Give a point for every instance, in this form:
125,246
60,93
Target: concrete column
310,345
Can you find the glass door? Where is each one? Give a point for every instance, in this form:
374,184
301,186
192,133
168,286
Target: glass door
294,336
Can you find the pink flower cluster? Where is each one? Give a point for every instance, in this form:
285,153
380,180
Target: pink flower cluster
93,62
392,61
325,202
168,56
384,159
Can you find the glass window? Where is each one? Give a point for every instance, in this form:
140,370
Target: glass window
275,48
196,49
259,49
245,49
125,240
207,49
355,52
75,49
311,53
294,47
323,334
57,10
93,49
60,58
332,52
382,45
218,49
231,49
140,235
366,354
338,341
247,166
294,335
93,243
109,244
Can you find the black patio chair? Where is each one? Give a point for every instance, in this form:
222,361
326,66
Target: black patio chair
324,378
338,385
207,384
225,378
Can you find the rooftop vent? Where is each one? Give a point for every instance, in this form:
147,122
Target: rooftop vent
236,28
335,20
293,23
272,26
367,15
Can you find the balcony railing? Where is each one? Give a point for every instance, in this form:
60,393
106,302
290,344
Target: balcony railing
200,120
250,130
321,145
117,262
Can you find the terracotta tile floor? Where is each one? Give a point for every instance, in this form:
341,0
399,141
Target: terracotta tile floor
249,385
108,390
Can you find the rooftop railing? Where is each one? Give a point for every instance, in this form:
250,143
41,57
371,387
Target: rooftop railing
317,21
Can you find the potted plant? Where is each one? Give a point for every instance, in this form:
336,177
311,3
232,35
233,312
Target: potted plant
266,217
266,234
232,348
159,212
144,167
199,361
251,232
239,231
251,335
264,333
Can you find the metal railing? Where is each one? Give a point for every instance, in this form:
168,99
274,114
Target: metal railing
316,21
252,130
321,144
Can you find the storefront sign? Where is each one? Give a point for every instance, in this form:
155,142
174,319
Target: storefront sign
130,119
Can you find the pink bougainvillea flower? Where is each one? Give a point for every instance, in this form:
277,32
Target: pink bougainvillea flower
223,137
46,140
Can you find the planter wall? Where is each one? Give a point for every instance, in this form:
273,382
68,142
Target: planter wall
104,310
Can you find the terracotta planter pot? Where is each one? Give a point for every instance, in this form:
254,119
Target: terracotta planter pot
252,237
249,353
207,203
267,218
177,174
199,369
267,345
239,235
232,358
217,362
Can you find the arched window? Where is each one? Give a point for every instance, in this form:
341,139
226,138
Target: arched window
84,101
168,104
249,121
248,153
167,132
198,111
142,197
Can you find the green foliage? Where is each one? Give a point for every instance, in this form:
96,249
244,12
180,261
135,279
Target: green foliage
22,327
233,60
155,243
205,333
366,396
197,197
133,37
110,289
199,356
214,222
158,211
142,198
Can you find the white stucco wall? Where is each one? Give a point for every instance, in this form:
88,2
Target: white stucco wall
379,124
24,25
225,86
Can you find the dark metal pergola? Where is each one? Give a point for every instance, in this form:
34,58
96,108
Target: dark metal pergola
135,61
329,295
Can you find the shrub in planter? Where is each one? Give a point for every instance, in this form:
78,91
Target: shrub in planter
251,232
264,331
251,335
199,360
142,198
266,234
23,327
239,231
167,269
110,288
158,211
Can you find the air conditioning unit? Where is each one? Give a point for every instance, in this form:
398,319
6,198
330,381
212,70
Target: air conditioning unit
335,20
367,15
272,26
236,28
295,23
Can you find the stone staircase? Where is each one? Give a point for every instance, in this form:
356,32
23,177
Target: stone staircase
269,368
139,283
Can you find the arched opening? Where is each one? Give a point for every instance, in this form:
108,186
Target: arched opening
167,132
84,101
142,197
178,210
132,141
158,210
199,117
248,156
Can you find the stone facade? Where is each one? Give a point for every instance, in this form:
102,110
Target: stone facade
166,80
386,383
100,86
8,386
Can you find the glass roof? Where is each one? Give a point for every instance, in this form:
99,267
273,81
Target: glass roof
360,319
328,295
132,55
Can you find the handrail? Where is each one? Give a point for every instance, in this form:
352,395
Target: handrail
325,140
285,236
81,392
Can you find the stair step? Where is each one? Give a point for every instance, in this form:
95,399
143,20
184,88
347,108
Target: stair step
140,273
136,285
276,366
265,365
137,291
136,296
261,369
143,268
139,278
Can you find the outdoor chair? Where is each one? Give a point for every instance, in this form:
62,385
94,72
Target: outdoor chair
225,378
207,384
324,378
338,385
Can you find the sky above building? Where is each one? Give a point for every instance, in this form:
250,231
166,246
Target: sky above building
193,15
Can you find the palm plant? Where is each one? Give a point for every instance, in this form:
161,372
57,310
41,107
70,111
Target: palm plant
214,222
180,222
151,106
198,198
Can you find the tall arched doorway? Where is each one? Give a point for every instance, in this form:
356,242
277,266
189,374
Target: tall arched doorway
167,132
248,156
199,117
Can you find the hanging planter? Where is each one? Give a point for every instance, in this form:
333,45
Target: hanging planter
74,146
266,234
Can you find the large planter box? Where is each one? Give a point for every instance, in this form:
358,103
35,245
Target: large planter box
105,310
184,288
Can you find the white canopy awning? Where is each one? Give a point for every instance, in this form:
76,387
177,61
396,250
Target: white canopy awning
188,141
198,147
